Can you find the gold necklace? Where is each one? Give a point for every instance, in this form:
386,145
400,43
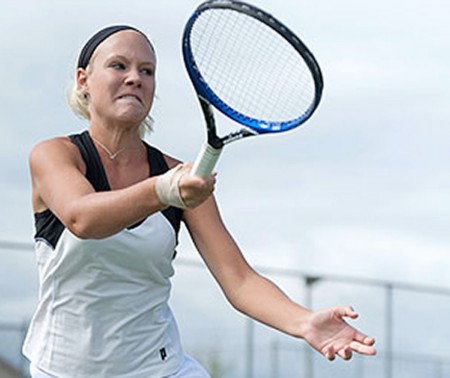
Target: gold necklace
111,155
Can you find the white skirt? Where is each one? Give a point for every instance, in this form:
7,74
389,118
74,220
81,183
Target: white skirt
190,369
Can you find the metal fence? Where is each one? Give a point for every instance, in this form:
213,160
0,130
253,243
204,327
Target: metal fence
406,319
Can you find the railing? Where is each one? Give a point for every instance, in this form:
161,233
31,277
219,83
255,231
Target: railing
253,351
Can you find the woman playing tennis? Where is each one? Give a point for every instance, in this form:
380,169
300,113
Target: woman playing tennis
108,209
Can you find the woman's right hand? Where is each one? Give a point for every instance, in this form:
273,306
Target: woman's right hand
178,187
194,190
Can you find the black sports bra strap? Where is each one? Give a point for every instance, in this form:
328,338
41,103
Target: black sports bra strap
95,172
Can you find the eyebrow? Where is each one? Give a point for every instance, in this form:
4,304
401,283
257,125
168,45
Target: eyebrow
118,56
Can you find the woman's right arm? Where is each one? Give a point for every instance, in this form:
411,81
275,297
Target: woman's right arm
59,184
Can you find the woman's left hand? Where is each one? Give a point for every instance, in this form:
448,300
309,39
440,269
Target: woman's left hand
328,333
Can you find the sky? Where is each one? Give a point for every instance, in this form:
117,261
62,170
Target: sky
362,189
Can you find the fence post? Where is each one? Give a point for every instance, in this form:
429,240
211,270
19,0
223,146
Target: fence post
249,347
389,331
275,369
23,363
308,371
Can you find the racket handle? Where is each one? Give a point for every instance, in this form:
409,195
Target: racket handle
206,161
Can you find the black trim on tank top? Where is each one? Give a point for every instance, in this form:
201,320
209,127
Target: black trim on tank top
50,228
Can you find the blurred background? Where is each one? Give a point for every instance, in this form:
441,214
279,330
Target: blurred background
352,208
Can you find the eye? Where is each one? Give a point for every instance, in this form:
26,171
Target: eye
118,66
148,71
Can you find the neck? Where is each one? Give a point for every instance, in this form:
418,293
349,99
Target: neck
112,155
115,144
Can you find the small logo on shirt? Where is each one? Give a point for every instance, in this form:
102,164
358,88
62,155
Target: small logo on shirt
163,353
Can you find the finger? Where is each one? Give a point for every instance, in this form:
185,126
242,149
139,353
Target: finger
347,311
345,353
212,180
364,339
363,349
330,354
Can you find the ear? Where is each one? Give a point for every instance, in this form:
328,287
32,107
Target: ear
82,83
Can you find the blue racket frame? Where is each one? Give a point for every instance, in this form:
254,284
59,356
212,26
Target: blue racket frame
207,94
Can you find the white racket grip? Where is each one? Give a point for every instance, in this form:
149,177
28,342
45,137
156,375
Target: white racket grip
206,161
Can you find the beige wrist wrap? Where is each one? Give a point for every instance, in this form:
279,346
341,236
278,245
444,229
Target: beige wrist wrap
167,187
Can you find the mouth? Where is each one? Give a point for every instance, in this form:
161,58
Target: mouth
130,97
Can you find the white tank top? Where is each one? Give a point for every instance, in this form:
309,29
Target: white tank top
103,304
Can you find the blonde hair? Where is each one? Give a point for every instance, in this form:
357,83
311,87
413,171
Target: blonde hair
79,103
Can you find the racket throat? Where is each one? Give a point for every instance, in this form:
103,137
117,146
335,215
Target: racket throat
213,139
242,133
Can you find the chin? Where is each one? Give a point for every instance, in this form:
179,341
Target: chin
132,119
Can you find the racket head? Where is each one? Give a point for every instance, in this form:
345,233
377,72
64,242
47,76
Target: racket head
237,39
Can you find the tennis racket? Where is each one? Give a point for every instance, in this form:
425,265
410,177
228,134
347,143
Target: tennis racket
250,67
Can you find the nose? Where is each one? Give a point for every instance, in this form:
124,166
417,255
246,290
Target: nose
133,78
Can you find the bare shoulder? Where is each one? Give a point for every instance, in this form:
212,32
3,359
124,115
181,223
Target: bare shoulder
59,150
50,145
47,158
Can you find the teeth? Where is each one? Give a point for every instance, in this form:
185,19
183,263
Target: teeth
132,97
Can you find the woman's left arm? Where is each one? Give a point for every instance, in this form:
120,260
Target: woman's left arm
259,298
244,288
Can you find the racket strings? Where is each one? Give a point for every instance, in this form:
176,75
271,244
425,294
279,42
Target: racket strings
251,67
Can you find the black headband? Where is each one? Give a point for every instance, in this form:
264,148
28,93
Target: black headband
96,39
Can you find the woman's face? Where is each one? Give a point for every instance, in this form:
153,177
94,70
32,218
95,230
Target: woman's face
120,81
